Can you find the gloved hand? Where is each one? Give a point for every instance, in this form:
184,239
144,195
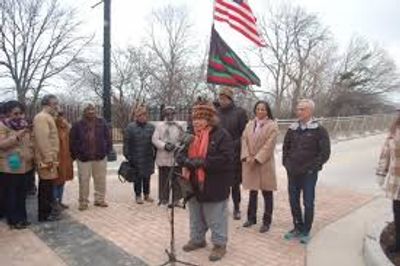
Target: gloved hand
197,162
169,147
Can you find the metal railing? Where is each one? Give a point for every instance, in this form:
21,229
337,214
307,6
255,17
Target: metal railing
337,127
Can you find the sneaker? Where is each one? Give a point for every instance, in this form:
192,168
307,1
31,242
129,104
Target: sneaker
83,207
236,215
18,226
248,223
264,228
147,198
294,233
217,253
305,238
139,200
64,206
191,246
101,204
53,218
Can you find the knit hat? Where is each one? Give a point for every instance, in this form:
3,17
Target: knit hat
203,111
169,108
227,91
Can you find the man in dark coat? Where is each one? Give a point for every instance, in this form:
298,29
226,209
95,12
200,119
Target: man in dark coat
90,142
306,148
139,151
234,120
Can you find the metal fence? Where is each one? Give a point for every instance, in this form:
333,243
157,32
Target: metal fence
338,127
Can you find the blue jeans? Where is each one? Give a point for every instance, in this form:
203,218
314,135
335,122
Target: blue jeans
296,185
208,215
58,192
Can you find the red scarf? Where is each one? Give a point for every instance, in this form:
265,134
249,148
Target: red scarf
198,149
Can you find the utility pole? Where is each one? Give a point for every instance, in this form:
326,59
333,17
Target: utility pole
112,156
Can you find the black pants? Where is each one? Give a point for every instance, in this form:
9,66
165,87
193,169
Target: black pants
164,183
396,215
2,199
31,181
142,184
302,184
15,187
45,199
235,191
268,206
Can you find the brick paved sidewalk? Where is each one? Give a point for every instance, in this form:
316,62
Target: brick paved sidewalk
143,230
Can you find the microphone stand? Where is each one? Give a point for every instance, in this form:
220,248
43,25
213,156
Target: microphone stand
171,253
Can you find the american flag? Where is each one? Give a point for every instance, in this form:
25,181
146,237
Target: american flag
238,14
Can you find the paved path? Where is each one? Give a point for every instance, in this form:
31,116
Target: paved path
138,235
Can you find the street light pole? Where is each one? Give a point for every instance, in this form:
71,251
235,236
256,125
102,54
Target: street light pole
107,72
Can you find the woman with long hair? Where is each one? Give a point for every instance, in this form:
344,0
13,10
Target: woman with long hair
258,146
16,163
388,173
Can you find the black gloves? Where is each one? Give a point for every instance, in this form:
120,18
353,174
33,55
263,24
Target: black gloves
169,147
193,163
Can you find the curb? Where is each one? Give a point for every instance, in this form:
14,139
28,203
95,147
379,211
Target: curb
372,250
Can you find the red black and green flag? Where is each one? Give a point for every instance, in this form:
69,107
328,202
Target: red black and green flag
225,67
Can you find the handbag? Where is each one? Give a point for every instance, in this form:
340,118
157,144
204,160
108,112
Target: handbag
126,172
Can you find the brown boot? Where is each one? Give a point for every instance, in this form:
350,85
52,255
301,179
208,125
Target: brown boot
147,198
217,253
191,246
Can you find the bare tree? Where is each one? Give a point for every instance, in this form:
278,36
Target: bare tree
365,76
38,40
176,72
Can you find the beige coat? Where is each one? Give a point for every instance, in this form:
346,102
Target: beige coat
259,175
388,170
46,144
166,132
9,145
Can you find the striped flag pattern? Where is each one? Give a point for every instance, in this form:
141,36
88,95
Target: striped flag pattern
238,14
225,67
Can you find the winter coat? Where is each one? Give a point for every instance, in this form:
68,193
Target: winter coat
9,145
389,166
47,144
65,162
218,168
306,149
79,146
234,120
259,175
138,147
166,132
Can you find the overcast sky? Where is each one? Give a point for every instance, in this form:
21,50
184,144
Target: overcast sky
377,20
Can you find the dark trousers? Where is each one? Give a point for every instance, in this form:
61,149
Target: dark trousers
302,184
142,184
235,191
45,199
15,187
396,215
2,199
31,181
164,183
268,206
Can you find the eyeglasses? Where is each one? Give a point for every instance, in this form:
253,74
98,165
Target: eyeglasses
17,113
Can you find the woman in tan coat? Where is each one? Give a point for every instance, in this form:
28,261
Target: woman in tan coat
258,163
388,173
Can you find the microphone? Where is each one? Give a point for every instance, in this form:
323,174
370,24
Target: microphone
187,139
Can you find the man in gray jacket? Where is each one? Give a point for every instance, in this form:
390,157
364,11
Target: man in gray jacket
166,137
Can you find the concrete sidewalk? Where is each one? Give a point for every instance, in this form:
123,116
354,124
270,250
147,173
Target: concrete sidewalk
341,243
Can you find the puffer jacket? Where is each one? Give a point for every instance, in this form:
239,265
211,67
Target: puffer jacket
305,149
138,148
